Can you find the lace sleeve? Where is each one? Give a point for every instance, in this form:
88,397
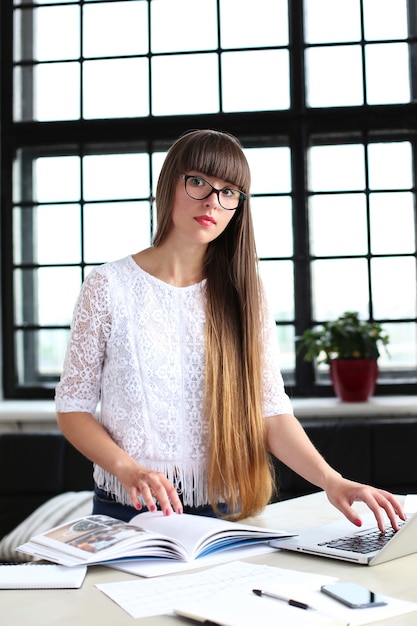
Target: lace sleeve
276,401
79,387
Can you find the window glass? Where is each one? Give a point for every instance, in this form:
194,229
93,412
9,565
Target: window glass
270,169
50,221
62,102
115,88
339,285
392,223
116,176
49,346
272,222
250,84
277,276
286,342
54,289
185,84
336,168
334,76
329,21
402,347
385,19
390,165
338,224
115,28
394,287
46,33
261,23
113,231
57,179
179,26
387,73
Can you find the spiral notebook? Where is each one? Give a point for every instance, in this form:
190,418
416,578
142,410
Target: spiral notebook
41,576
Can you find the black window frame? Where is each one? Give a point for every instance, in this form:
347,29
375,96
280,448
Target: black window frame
299,126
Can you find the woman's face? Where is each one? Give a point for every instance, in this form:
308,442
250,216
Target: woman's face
200,220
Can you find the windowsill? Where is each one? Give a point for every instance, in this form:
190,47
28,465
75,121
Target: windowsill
31,415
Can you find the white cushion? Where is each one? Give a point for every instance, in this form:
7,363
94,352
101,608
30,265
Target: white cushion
58,510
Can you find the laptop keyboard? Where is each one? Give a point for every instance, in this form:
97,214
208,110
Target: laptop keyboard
364,543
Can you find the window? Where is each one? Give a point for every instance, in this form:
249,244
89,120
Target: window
95,91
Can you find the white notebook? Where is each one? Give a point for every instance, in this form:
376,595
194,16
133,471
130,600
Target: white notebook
41,576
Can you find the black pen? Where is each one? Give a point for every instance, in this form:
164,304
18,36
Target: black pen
290,601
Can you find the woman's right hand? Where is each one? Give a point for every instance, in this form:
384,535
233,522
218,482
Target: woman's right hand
148,487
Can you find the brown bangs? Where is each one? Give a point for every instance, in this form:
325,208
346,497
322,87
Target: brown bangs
218,155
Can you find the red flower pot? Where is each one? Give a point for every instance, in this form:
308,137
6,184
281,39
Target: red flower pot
354,380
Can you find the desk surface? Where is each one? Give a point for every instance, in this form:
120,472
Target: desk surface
88,605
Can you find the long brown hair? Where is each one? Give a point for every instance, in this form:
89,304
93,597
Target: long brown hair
239,470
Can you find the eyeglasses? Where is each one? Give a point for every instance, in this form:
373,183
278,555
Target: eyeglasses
199,188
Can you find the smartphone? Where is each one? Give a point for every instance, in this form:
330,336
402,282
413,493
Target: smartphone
353,595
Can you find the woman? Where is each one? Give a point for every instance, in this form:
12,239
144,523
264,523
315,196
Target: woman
177,344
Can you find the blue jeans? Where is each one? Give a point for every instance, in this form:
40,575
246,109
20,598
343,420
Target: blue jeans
105,504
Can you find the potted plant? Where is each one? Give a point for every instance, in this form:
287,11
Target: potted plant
351,348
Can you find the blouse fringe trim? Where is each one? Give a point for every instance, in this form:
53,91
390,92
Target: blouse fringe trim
189,481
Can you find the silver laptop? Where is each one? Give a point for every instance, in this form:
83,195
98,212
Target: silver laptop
365,545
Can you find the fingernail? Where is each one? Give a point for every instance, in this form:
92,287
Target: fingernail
358,522
153,508
179,510
167,511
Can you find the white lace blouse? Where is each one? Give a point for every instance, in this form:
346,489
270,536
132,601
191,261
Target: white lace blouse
137,348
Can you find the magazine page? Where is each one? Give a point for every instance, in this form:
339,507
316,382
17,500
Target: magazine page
202,535
98,538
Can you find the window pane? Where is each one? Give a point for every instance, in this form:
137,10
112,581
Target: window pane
57,179
334,76
185,84
56,91
338,224
394,287
272,221
179,26
277,276
286,340
115,230
116,88
270,169
116,176
48,346
387,73
392,223
385,19
339,285
56,33
390,165
261,23
402,347
53,290
328,21
48,247
255,81
335,168
115,28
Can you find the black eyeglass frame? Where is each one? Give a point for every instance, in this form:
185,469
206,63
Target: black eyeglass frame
242,195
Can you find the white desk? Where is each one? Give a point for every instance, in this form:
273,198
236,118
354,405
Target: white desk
88,606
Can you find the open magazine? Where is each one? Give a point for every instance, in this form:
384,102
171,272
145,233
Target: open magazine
101,539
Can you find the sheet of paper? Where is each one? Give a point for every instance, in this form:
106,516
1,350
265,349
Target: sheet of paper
137,597
270,612
161,567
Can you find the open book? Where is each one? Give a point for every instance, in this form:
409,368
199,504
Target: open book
100,539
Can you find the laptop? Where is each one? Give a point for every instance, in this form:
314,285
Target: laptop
365,545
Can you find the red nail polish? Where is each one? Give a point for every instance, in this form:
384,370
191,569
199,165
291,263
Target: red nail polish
167,511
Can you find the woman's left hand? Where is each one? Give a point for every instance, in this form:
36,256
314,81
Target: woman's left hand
342,493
